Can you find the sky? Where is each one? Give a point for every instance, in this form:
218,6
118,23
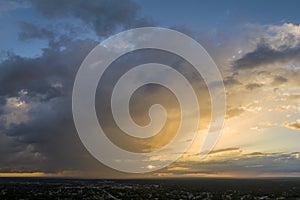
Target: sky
255,44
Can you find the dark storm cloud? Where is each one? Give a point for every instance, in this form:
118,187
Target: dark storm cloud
56,34
49,132
29,31
264,55
47,82
39,75
47,140
103,15
2,102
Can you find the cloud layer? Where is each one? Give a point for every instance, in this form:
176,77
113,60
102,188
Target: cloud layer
37,132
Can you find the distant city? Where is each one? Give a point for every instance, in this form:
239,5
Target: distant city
40,188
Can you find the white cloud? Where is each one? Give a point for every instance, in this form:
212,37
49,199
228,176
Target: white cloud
16,111
284,35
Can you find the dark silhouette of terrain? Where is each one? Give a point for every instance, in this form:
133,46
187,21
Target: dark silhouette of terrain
195,188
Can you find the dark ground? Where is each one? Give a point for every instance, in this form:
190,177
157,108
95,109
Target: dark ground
200,188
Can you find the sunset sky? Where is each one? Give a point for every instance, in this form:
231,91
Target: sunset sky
255,44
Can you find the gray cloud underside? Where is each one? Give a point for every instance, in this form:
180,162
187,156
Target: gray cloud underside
103,15
255,163
265,55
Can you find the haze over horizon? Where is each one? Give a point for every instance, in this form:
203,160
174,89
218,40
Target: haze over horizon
256,46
